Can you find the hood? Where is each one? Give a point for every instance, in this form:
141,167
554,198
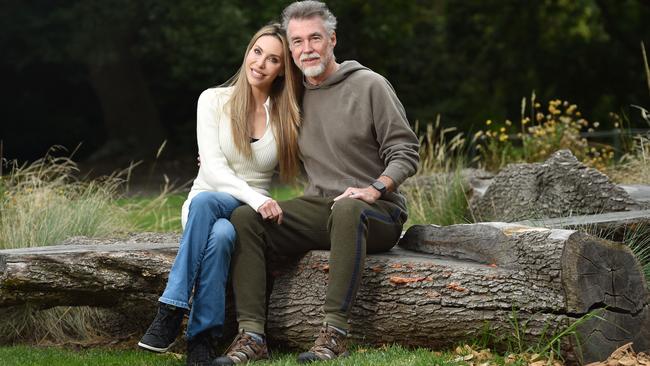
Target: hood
345,69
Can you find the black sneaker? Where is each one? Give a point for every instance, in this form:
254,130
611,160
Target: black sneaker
163,330
329,345
200,350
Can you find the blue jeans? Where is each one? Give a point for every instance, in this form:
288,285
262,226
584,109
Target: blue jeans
203,262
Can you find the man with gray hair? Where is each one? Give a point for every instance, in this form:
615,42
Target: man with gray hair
357,147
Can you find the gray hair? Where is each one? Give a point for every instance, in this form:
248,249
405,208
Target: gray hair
309,9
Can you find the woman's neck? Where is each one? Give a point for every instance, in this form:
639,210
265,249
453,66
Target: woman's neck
259,97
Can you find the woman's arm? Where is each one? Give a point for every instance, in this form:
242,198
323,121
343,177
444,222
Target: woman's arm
214,165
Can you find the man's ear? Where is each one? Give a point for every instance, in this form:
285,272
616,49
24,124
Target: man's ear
333,39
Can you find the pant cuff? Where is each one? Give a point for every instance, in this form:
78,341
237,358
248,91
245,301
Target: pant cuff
338,320
251,326
178,304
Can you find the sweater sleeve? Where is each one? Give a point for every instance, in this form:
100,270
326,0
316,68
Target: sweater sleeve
398,144
214,165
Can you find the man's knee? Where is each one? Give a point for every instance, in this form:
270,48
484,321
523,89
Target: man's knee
244,216
348,209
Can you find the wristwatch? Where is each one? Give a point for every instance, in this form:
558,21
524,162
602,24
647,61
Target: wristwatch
378,185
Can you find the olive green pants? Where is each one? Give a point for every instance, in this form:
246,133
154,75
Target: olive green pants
349,229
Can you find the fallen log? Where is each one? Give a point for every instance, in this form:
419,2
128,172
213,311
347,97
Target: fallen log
559,187
449,286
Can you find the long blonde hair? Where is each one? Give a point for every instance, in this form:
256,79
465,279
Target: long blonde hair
285,106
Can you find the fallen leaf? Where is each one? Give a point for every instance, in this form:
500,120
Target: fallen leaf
396,265
627,361
456,287
377,269
402,280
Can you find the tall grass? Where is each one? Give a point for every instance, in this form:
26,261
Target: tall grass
437,193
637,237
43,203
441,200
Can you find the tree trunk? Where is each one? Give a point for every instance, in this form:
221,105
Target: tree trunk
451,285
130,115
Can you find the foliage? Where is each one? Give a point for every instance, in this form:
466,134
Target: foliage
437,193
535,138
634,166
637,237
442,201
462,60
42,203
57,325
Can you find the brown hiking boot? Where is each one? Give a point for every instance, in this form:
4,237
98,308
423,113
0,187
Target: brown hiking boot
329,345
243,349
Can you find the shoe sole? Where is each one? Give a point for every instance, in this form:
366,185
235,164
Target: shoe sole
154,349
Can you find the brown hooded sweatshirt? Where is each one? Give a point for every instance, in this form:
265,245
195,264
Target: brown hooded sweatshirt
355,130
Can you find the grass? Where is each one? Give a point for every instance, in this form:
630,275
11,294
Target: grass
441,200
43,203
387,355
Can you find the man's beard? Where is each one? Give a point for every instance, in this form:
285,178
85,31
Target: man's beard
313,71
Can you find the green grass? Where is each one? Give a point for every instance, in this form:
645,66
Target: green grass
162,213
50,356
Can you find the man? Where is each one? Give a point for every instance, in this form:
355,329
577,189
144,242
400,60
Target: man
357,147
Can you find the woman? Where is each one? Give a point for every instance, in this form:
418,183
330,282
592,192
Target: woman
243,131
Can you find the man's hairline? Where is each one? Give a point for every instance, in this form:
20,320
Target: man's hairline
328,33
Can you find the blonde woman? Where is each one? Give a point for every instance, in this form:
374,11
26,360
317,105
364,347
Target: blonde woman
243,130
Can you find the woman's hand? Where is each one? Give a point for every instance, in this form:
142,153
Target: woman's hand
270,210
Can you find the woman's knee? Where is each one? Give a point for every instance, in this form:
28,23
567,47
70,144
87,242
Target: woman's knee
201,201
222,236
218,203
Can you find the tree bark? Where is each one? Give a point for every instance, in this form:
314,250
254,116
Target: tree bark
560,187
442,285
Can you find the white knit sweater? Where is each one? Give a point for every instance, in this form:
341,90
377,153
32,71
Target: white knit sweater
223,168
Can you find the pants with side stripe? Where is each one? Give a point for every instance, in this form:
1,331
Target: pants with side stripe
350,228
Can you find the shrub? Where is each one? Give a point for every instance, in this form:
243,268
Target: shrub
534,138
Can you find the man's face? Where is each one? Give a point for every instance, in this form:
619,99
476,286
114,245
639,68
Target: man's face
312,49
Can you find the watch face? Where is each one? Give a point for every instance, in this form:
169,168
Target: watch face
381,187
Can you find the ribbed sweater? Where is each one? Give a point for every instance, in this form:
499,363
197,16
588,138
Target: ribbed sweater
223,168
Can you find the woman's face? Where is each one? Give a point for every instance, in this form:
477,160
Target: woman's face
264,62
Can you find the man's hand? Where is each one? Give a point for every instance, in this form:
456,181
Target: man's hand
270,210
368,195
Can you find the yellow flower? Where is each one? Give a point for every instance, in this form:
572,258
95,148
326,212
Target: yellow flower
503,137
508,123
488,122
502,129
596,124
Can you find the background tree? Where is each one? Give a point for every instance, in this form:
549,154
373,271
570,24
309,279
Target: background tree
122,75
